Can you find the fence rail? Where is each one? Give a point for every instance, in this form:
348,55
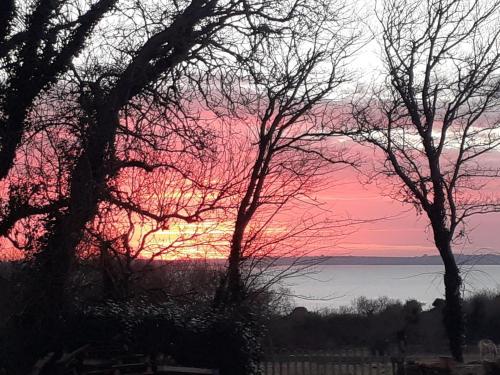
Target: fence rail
349,363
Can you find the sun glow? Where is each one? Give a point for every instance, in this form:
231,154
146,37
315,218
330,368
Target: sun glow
205,239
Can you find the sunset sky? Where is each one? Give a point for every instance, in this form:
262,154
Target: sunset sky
402,233
391,228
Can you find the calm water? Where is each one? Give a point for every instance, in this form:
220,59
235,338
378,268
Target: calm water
333,286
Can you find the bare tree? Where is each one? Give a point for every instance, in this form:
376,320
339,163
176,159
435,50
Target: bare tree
282,108
435,122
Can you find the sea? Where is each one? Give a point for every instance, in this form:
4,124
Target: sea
333,286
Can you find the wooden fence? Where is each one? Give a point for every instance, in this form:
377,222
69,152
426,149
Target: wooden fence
344,363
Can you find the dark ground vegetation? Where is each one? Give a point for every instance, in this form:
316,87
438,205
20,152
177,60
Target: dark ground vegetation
384,326
171,311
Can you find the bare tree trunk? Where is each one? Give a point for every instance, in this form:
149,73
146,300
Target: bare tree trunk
452,313
106,265
231,289
235,288
453,318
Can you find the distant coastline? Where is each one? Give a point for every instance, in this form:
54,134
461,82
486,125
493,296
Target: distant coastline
425,260
344,260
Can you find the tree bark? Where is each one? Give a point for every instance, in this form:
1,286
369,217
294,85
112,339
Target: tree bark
453,317
453,313
231,289
235,284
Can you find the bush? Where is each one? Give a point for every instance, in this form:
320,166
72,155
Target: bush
226,339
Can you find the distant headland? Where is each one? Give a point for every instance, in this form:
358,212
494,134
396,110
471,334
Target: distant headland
424,260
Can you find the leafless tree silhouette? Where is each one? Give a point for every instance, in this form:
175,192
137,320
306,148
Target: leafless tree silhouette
435,120
283,105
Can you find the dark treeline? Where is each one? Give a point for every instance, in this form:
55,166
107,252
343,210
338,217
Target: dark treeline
383,326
